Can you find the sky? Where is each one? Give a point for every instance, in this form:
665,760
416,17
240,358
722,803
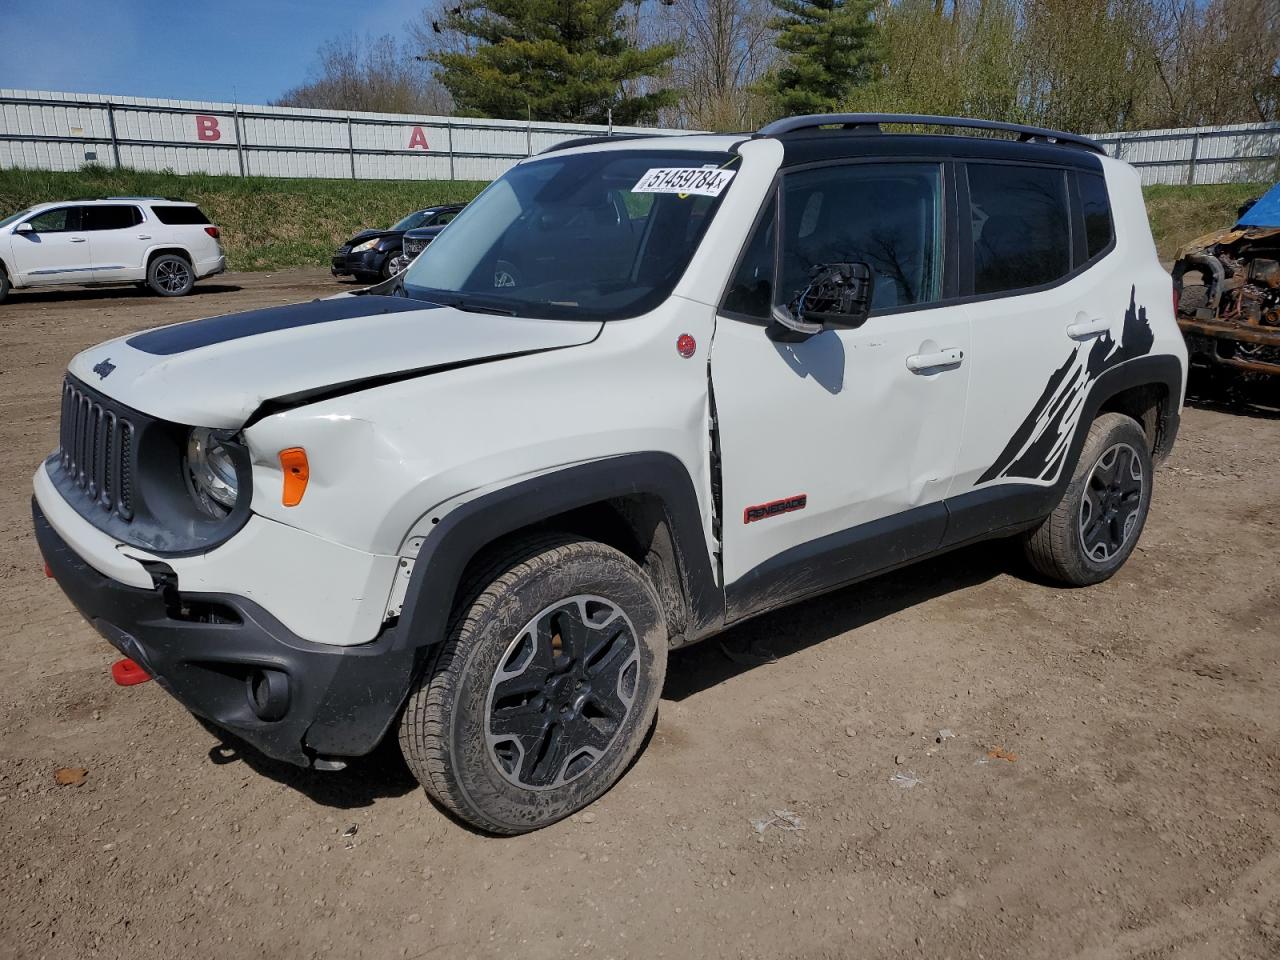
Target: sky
224,50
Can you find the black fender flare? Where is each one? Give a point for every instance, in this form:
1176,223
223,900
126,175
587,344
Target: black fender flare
463,532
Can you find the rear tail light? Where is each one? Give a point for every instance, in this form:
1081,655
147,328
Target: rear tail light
213,232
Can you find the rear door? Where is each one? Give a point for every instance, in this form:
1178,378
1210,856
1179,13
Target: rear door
1049,314
837,451
120,241
56,250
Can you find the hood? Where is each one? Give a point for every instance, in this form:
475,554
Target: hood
423,233
218,372
364,235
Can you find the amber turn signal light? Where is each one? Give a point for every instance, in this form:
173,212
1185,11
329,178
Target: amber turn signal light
296,473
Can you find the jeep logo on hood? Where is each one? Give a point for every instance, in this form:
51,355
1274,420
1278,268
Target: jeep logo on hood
103,369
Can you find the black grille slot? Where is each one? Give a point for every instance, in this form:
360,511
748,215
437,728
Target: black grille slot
96,450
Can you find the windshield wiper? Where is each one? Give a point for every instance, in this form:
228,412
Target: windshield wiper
470,306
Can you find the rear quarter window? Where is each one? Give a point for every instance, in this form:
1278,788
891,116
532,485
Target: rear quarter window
1097,212
1021,226
179,216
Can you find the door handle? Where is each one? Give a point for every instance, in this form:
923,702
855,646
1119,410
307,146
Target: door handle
1084,329
920,362
144,236
79,239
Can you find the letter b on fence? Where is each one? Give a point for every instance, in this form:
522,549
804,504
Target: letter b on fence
207,128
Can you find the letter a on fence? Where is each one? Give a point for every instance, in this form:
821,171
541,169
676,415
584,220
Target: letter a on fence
418,139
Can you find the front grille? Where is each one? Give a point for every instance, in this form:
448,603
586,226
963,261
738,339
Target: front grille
96,450
415,247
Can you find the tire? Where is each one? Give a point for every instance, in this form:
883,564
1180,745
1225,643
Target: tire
170,275
4,285
385,272
1095,527
537,612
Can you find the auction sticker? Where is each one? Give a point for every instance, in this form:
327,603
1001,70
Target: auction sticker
702,181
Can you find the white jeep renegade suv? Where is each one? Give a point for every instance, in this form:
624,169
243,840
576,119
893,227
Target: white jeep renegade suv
719,374
164,244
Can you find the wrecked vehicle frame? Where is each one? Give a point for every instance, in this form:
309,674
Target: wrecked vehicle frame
1228,291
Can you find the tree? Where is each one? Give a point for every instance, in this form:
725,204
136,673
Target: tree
375,74
828,47
553,60
726,46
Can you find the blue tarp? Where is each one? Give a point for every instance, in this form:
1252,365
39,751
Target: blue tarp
1264,213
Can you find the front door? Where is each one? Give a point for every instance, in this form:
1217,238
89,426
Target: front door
838,450
55,250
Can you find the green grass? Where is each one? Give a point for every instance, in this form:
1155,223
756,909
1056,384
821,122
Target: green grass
266,223
1181,214
269,224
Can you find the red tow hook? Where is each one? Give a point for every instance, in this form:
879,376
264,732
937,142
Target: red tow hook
126,673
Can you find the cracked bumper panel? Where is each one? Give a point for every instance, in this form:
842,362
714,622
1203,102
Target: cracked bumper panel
321,591
215,653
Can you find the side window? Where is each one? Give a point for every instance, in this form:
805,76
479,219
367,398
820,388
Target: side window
888,215
179,216
443,218
1021,226
58,220
1097,212
111,218
751,291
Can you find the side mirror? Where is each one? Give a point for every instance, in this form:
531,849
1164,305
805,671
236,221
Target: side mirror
24,227
837,293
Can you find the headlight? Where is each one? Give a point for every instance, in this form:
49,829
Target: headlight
211,472
367,245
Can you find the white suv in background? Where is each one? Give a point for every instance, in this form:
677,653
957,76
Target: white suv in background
165,244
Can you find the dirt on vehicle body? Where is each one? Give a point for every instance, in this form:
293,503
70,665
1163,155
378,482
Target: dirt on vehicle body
1229,286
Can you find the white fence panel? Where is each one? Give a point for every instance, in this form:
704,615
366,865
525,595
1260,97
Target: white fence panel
1245,152
64,131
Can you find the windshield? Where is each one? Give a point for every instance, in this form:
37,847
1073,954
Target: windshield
595,236
16,216
412,220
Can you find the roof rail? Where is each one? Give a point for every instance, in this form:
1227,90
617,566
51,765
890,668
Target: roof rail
872,121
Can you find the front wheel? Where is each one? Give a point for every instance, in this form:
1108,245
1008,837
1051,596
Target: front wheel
170,275
4,285
1101,515
544,689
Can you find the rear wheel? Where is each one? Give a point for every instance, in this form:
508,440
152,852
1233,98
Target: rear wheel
544,689
1101,515
170,275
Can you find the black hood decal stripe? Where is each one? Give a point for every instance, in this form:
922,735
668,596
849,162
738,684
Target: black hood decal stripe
182,337
330,391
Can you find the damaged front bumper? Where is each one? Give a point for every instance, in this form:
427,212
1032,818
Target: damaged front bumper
229,661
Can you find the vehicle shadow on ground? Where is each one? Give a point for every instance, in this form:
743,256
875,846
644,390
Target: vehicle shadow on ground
1242,396
777,635
37,297
381,774
766,639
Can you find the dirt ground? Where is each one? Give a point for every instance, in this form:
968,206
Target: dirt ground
1140,818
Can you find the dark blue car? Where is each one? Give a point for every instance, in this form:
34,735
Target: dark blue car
367,256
